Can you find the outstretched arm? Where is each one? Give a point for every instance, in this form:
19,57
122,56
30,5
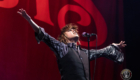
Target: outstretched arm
112,52
23,13
59,48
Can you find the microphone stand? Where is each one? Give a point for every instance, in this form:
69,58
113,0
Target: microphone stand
88,39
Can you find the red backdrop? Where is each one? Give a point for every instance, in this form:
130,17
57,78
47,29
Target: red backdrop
21,58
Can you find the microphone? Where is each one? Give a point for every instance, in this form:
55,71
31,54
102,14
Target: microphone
84,34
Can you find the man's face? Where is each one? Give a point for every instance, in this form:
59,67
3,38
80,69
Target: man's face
71,34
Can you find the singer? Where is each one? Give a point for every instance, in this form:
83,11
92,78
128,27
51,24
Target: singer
71,58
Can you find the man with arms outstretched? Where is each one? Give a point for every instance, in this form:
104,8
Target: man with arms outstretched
71,58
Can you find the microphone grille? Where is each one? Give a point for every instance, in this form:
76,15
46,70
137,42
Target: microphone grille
84,34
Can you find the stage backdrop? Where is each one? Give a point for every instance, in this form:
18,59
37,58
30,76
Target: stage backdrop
22,58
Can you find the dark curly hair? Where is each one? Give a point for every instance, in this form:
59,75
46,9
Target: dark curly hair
62,37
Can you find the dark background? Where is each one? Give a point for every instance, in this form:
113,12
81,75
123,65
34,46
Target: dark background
132,36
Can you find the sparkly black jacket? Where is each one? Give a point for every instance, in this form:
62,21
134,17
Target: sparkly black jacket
72,61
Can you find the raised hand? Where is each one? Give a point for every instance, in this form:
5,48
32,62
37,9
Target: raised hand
23,13
120,45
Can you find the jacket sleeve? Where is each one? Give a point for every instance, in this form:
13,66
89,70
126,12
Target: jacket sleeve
111,52
59,48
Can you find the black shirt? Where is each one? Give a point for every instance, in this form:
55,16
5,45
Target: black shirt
60,49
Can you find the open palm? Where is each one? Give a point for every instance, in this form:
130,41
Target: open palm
120,45
23,13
